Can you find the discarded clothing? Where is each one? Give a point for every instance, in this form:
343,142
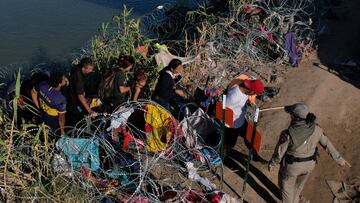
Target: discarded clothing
60,165
123,159
269,35
194,196
221,197
158,128
200,130
119,175
120,119
211,156
192,175
290,47
80,152
345,192
126,140
163,57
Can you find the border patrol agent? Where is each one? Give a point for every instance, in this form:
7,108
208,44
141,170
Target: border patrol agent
297,152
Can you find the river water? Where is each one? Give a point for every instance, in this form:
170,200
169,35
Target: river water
41,30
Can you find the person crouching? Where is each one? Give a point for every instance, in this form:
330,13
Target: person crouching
165,89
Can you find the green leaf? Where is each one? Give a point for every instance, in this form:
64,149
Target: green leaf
17,94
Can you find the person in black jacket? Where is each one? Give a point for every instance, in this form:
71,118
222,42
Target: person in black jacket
165,88
78,105
122,89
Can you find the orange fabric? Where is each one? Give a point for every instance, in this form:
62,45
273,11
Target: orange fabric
241,77
257,140
229,115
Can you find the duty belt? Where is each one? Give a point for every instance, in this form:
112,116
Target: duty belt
290,159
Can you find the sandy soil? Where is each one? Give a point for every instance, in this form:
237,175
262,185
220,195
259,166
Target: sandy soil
335,101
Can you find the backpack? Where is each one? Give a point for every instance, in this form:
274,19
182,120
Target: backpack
106,86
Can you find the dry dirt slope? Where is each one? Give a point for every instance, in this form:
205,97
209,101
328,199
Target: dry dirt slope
336,104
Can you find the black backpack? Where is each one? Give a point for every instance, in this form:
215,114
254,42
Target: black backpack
107,86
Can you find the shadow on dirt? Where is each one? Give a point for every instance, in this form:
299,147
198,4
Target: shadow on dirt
265,190
338,41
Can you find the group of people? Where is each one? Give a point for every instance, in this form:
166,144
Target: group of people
296,149
63,100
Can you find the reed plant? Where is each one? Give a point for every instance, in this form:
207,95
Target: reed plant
26,158
123,36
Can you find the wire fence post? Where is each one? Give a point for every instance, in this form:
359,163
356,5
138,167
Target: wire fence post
256,117
223,127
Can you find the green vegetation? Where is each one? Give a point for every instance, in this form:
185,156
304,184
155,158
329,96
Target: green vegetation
123,36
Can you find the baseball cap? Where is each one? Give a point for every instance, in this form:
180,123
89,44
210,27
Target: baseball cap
255,85
299,110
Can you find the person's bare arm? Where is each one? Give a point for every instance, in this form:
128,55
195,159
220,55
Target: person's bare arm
136,93
124,89
180,92
85,104
138,86
238,80
34,97
62,123
234,82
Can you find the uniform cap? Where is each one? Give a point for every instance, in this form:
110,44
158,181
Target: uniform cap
255,85
298,110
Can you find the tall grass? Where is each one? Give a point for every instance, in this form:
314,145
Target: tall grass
123,36
26,154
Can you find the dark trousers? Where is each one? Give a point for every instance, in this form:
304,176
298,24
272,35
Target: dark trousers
74,114
51,121
231,134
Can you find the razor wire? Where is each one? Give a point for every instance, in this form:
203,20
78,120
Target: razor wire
159,172
239,42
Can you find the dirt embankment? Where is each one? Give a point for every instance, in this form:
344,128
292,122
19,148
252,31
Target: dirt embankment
335,99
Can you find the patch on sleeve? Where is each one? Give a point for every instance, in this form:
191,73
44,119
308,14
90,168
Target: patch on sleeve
283,138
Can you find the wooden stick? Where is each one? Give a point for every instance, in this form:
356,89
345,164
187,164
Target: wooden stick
272,108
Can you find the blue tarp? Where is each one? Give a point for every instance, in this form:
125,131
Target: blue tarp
80,152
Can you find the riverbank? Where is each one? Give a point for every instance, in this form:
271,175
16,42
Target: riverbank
222,46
